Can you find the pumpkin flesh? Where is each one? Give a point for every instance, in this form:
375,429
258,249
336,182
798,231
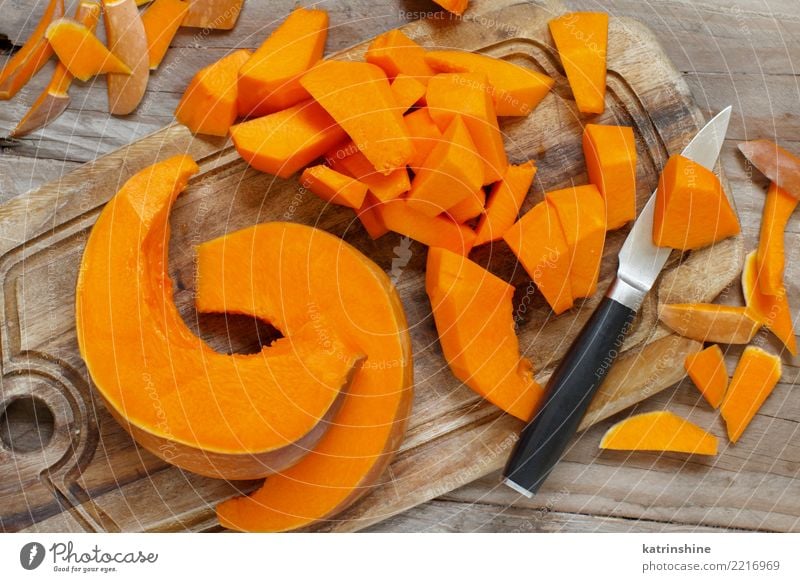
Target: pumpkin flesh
661,431
80,51
610,153
707,322
707,370
504,202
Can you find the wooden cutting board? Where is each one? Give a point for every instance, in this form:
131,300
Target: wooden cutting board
91,476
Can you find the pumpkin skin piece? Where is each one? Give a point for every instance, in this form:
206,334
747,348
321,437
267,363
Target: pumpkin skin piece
270,80
659,431
397,54
691,211
537,240
359,98
581,39
582,215
707,370
208,105
707,322
473,312
610,153
778,208
332,279
126,38
771,310
515,90
81,51
224,416
504,203
755,377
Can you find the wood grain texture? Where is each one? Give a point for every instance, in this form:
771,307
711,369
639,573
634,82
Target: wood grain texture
741,53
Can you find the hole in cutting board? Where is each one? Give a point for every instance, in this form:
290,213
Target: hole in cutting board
26,425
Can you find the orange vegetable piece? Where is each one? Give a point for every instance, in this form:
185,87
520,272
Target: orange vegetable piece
610,152
468,208
54,100
515,90
581,39
659,431
407,91
161,20
692,210
473,312
359,98
779,165
437,231
451,173
213,14
425,135
752,383
505,201
329,279
281,143
778,208
771,310
334,187
370,217
80,51
397,54
707,370
455,6
466,94
538,241
350,161
26,62
707,322
226,416
270,80
581,213
209,103
126,38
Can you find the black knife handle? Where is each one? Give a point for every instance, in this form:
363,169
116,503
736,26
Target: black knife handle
567,396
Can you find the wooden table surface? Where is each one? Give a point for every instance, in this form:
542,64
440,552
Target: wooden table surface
739,52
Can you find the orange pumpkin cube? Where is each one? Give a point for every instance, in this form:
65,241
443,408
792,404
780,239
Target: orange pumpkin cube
610,153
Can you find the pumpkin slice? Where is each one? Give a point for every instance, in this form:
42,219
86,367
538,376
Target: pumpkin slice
692,211
161,20
407,91
457,7
80,51
435,231
425,135
753,381
582,215
505,201
53,101
370,217
776,163
213,14
778,207
334,187
468,208
36,51
473,312
209,103
270,80
581,39
225,416
359,98
707,322
126,38
538,241
707,370
515,90
397,54
771,310
352,162
451,173
466,95
281,143
329,279
659,431
610,152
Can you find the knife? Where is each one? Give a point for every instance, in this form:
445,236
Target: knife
584,367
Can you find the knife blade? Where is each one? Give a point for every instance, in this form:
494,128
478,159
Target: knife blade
586,364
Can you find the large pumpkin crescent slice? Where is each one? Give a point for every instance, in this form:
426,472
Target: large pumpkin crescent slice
282,272
228,416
